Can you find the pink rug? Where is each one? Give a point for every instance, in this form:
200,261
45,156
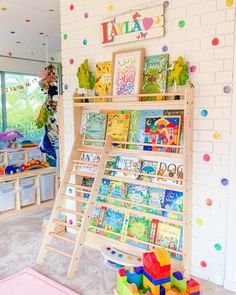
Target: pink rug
29,282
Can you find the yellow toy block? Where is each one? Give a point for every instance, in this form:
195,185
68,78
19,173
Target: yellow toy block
167,286
162,256
154,289
171,292
133,288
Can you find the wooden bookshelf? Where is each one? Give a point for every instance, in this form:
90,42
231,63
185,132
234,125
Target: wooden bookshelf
183,153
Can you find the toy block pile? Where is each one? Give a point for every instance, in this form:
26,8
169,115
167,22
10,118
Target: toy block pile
155,278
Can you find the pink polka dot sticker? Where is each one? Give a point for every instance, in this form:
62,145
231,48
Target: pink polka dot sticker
203,264
72,7
209,202
193,69
215,41
86,15
71,61
206,157
70,221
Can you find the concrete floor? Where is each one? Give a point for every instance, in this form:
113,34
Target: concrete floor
20,239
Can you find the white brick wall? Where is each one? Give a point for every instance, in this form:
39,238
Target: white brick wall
205,20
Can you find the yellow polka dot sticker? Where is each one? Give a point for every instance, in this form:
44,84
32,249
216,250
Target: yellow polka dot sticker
110,7
199,221
216,135
229,3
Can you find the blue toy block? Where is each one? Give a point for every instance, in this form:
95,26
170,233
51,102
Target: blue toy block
135,278
195,293
178,275
162,291
156,282
139,270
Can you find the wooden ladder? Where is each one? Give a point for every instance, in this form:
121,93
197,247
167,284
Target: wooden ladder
81,232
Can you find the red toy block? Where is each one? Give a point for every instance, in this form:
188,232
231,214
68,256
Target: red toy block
165,268
122,272
192,286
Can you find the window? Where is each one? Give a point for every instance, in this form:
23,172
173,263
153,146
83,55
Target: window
21,104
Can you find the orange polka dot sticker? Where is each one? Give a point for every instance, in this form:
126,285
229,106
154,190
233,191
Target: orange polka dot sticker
229,3
216,135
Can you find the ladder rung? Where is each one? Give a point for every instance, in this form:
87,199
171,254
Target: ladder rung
77,199
86,162
66,224
54,235
83,173
88,188
70,211
90,150
58,251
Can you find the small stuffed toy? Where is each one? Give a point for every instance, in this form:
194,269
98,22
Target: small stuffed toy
85,76
179,73
52,128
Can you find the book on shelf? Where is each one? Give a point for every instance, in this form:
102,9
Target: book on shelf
95,128
127,164
103,80
156,199
171,171
155,75
178,113
173,201
137,194
148,167
117,189
163,130
118,127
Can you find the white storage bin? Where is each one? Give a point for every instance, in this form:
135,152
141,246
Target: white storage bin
4,186
27,181
47,186
27,195
7,200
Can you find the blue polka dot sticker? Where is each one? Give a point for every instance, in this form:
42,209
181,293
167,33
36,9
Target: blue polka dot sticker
166,4
227,89
165,48
85,42
224,181
66,86
204,113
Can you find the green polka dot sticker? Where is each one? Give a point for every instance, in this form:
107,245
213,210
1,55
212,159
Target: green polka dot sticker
218,247
181,24
65,36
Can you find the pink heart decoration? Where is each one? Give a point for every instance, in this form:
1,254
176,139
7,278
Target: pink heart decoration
147,23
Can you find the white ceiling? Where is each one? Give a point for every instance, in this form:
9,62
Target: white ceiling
13,16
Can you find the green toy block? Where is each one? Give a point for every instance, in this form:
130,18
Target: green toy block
128,290
121,281
181,285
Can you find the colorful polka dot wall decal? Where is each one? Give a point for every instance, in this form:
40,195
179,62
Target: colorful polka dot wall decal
44,44
66,86
51,10
166,4
10,53
27,20
215,41
216,136
199,221
72,7
224,181
209,202
86,15
110,7
206,157
65,36
204,113
229,3
85,42
70,221
71,61
227,89
218,247
41,33
193,69
181,23
165,48
203,264
4,8
12,32
18,42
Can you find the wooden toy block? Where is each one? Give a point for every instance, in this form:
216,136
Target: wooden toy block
161,275
154,289
178,275
167,286
162,256
156,282
181,285
135,278
193,287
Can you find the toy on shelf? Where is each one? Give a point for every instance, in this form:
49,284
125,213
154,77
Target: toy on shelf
2,170
154,278
85,76
11,135
34,164
117,259
27,144
11,169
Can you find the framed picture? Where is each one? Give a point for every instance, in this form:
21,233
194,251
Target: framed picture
127,75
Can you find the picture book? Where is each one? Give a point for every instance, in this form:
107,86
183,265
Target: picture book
156,199
173,201
125,227
104,187
89,157
134,130
127,164
113,220
169,236
118,127
117,189
149,168
110,165
177,113
155,75
170,169
95,128
87,181
139,228
103,79
164,130
153,231
97,215
137,194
